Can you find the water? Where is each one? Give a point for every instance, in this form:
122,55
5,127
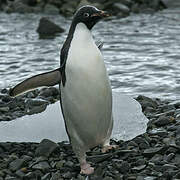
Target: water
129,121
141,52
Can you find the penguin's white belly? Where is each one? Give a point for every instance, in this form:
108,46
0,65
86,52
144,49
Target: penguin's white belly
86,96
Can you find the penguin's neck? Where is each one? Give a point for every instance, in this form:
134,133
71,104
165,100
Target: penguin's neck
82,35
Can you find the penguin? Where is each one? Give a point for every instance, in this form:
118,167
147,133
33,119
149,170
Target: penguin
85,90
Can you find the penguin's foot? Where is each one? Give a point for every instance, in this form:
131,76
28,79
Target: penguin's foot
106,148
86,169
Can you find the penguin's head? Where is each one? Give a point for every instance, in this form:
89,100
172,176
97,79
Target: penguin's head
89,15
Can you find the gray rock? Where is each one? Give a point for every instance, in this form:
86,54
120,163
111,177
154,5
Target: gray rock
4,91
128,3
169,157
167,107
68,8
37,109
108,178
138,168
123,167
146,102
47,92
156,158
69,164
45,148
99,158
51,9
17,164
11,178
67,175
169,167
36,102
152,151
162,121
46,176
26,158
167,113
48,28
30,175
56,176
59,164
20,174
158,132
43,166
4,109
121,8
18,6
177,176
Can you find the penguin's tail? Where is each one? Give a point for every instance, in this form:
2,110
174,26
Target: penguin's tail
45,79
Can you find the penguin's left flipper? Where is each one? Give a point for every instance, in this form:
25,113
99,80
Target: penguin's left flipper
45,79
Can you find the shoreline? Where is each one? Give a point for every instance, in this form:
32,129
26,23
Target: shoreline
121,8
154,154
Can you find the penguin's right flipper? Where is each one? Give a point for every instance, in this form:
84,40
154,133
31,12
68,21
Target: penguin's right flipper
45,79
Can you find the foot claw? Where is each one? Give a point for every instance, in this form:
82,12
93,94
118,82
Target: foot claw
109,147
87,171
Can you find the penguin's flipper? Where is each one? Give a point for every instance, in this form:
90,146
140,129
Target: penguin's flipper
45,79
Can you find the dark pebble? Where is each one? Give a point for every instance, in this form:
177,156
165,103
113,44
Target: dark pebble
45,148
162,121
152,151
17,164
48,28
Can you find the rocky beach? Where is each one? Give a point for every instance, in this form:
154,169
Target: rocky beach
154,155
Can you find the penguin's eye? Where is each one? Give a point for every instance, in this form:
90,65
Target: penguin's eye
86,15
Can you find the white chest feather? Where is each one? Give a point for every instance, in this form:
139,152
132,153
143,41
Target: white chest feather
83,53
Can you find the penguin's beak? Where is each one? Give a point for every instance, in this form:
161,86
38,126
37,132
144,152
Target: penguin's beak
101,14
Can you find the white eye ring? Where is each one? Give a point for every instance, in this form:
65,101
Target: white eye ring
86,14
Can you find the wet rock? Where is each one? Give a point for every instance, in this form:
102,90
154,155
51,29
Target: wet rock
68,8
51,9
18,6
177,176
17,164
37,109
46,176
4,91
152,151
138,168
59,164
99,4
146,102
20,174
121,8
159,132
4,109
67,175
123,167
48,28
36,102
56,176
47,92
157,158
162,121
43,166
99,158
45,148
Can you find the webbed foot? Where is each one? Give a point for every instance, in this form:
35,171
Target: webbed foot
87,169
